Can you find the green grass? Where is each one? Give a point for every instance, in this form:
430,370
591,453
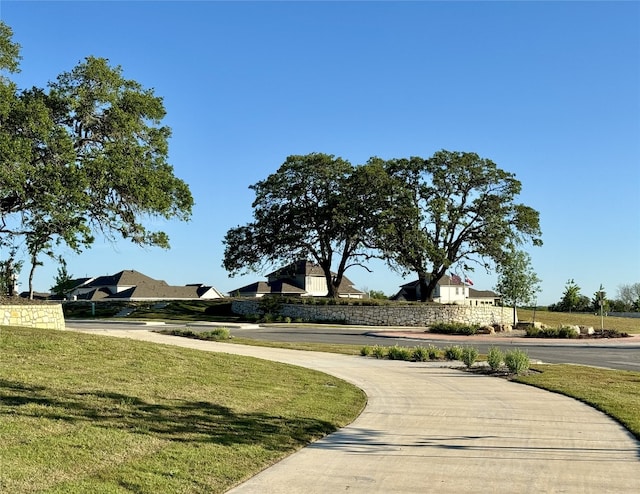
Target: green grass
84,413
623,324
614,392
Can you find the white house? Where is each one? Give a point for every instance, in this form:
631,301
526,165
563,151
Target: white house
449,290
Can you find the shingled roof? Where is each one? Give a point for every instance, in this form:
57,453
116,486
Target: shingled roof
131,284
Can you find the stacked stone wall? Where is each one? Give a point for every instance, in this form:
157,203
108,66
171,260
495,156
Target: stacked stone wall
41,316
386,315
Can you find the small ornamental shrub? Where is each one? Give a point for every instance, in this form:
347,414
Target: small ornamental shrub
469,356
420,354
398,353
434,352
561,332
454,328
215,334
365,351
495,358
517,361
453,352
287,320
379,351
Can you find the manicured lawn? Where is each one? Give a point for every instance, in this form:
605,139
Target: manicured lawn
84,413
623,324
614,392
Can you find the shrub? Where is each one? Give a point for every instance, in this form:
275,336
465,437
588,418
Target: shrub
469,356
561,332
216,334
366,350
399,353
517,361
453,328
287,320
379,351
495,358
420,354
434,352
453,352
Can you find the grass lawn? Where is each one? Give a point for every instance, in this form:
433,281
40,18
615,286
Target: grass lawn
84,413
629,325
614,392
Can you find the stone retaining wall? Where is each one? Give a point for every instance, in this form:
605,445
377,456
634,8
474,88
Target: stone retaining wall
43,316
386,315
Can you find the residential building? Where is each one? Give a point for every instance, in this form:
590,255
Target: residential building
298,279
135,286
449,290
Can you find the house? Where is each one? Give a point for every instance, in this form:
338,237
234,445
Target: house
135,286
298,279
449,290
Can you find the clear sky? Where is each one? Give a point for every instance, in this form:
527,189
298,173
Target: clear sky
548,90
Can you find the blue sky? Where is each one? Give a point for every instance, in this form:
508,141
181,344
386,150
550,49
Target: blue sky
548,90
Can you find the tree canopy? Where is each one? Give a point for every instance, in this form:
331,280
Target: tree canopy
86,154
315,207
452,208
517,282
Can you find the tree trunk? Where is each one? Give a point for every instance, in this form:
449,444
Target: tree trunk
31,273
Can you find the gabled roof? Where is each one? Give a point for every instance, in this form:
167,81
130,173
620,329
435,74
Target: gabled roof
482,294
306,268
124,278
158,290
278,287
444,281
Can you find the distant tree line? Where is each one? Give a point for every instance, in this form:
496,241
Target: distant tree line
628,300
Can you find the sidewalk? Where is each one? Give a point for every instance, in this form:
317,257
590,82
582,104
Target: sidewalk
429,428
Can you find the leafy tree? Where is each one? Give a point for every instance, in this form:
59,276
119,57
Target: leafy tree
377,295
452,207
316,207
63,281
88,154
629,295
599,302
9,272
571,296
517,282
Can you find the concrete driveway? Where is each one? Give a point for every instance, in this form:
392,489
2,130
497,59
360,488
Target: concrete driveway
429,428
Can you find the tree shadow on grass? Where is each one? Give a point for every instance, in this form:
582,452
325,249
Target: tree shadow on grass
172,419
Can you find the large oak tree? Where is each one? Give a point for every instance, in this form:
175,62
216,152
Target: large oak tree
88,153
315,207
452,208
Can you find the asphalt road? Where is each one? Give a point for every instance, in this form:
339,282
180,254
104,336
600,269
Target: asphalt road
610,355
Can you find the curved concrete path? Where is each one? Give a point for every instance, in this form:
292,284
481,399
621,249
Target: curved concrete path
428,428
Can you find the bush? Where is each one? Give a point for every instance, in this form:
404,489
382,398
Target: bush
469,356
453,352
495,358
379,351
215,335
398,353
434,352
366,350
517,361
561,332
420,354
453,328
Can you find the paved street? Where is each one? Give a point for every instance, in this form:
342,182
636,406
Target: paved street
611,354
